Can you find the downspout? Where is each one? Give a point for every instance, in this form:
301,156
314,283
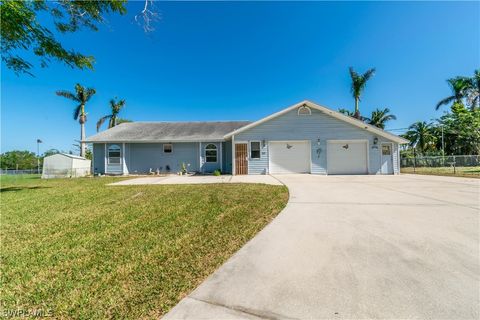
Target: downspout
221,156
105,158
200,157
233,155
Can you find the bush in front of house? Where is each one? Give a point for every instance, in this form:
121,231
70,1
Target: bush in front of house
217,173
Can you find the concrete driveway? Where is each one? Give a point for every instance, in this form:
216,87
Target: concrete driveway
355,247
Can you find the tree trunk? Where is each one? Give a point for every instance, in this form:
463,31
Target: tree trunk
82,119
357,111
82,138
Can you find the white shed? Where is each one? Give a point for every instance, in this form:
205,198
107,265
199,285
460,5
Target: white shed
63,165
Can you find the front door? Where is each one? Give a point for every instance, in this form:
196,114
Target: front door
387,161
241,158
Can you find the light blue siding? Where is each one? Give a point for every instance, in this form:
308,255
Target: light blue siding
208,167
318,128
150,156
141,157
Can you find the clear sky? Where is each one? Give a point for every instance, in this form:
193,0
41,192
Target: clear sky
246,60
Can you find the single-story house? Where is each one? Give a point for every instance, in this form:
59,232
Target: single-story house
303,138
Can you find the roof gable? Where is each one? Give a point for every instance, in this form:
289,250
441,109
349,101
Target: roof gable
335,114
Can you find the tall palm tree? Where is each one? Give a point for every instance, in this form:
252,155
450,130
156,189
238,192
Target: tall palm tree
421,136
380,117
80,96
115,107
459,87
359,81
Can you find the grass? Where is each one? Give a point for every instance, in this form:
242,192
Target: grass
470,172
76,248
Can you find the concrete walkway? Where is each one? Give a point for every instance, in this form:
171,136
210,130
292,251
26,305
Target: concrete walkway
199,180
355,247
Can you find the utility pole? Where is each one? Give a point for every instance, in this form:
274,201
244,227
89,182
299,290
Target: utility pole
443,145
38,155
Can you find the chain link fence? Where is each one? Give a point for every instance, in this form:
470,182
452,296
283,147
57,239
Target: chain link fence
17,171
50,173
465,165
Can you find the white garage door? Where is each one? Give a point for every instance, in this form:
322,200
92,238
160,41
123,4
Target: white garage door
347,157
289,156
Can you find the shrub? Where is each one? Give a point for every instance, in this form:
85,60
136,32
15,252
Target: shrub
217,172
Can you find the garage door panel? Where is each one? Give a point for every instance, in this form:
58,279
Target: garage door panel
347,157
289,156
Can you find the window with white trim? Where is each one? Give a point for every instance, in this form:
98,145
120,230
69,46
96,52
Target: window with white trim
114,154
255,149
210,153
167,148
304,111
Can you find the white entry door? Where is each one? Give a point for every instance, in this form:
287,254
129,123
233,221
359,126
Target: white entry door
347,157
289,156
387,160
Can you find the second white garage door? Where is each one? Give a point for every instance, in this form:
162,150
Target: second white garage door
289,156
347,157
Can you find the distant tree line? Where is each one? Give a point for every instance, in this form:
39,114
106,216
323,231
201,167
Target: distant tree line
24,160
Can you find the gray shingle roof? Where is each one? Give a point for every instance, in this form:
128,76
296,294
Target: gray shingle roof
167,131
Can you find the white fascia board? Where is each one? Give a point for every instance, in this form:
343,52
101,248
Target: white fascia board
155,141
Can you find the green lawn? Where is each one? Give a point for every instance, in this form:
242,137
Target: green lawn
471,172
79,249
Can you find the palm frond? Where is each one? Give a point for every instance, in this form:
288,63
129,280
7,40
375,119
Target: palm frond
67,94
368,74
353,73
101,121
77,111
89,92
444,101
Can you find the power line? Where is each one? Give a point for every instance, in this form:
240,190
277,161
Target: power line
397,129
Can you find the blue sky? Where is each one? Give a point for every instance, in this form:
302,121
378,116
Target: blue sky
246,60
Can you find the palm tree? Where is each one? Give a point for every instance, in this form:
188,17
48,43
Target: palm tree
459,87
81,96
115,107
473,90
380,117
420,135
359,81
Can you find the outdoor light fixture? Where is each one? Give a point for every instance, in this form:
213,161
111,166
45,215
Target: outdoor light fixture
318,141
375,143
263,143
